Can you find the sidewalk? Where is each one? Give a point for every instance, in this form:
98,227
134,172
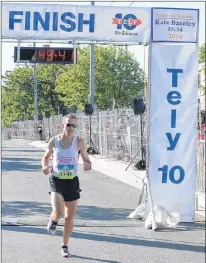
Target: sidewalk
116,170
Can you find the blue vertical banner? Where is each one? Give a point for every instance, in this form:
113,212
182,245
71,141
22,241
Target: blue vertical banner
173,127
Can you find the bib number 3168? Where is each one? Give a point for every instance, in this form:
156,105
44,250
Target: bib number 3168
177,171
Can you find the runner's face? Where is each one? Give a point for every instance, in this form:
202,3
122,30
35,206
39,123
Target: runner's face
70,125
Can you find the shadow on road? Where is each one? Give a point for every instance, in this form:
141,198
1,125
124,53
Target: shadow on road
95,259
6,149
18,159
113,239
101,213
23,209
19,164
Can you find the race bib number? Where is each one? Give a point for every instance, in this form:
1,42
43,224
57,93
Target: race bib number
65,171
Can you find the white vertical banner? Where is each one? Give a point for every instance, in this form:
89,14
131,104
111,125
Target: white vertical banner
173,128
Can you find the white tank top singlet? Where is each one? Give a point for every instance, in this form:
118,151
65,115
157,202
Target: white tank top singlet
65,161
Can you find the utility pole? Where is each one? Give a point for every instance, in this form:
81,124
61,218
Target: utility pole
91,91
35,94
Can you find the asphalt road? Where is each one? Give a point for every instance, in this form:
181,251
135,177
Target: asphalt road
102,232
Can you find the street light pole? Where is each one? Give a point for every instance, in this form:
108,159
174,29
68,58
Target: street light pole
91,91
35,94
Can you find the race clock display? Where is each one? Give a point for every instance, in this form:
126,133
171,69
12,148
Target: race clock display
46,55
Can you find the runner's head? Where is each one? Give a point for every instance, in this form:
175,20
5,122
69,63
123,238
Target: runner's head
69,123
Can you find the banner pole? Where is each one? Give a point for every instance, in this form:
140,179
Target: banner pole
154,224
18,51
35,92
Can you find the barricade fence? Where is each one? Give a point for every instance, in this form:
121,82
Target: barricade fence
200,180
116,134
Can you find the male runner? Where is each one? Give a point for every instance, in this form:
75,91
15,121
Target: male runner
64,182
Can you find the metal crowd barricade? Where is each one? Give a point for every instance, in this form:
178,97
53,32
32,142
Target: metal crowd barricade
200,180
115,133
6,134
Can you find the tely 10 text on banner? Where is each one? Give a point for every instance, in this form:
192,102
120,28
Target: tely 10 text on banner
173,128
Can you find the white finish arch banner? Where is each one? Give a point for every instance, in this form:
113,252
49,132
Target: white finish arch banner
64,22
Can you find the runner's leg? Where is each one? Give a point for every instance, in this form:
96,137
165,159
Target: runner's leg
57,202
70,210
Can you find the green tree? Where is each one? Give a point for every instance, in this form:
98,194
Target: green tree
202,54
202,59
48,96
17,95
118,77
18,92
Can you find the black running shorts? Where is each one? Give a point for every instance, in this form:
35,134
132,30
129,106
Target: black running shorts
69,189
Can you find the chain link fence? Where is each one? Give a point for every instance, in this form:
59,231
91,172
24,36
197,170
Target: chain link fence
200,180
116,134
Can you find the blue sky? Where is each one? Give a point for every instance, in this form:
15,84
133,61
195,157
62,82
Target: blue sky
8,48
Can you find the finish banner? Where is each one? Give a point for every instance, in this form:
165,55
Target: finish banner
173,128
55,21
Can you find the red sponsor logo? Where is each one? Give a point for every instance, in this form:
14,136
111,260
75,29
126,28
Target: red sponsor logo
130,22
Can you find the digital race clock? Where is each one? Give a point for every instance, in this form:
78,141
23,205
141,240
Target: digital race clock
47,55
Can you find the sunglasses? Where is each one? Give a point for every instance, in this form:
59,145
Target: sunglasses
71,125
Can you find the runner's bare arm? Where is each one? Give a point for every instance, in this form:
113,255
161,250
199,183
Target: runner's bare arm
83,152
48,153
